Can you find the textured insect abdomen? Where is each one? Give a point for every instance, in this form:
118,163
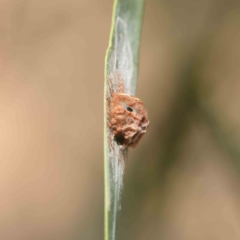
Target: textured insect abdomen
128,119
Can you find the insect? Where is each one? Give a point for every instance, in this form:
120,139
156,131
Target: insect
128,118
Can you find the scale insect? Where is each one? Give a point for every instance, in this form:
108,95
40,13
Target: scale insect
128,118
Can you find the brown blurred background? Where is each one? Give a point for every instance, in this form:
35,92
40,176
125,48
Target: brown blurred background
181,182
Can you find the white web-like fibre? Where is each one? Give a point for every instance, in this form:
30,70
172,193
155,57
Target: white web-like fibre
121,59
117,156
120,70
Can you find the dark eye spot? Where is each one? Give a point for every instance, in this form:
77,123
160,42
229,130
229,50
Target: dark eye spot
129,109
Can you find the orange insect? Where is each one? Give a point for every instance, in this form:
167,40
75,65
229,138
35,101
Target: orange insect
128,118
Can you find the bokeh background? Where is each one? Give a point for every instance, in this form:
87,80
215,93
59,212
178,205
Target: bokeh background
182,180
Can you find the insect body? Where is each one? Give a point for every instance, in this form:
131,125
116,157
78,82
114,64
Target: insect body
128,119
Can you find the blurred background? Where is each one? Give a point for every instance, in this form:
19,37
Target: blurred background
182,180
